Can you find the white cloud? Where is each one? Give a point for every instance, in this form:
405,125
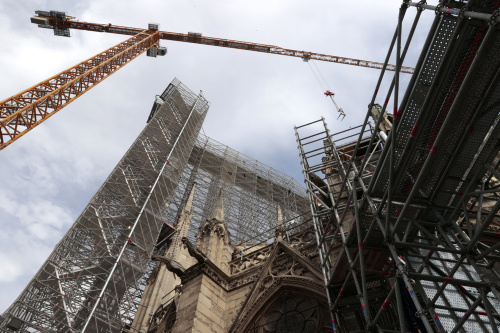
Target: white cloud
42,219
10,268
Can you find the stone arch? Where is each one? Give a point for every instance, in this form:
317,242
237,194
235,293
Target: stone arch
164,319
291,304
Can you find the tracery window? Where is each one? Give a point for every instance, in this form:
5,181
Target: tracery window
164,320
297,314
169,320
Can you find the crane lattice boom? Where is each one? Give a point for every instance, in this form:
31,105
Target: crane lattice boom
25,110
198,39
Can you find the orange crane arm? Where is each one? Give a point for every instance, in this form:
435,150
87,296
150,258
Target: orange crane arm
198,39
25,110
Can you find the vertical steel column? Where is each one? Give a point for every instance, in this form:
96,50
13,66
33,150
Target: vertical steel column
402,12
448,256
400,306
411,87
390,188
365,305
489,312
466,315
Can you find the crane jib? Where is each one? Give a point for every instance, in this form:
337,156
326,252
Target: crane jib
24,111
197,38
215,42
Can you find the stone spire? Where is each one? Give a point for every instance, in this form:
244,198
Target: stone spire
165,276
218,210
280,227
185,217
189,203
182,225
213,237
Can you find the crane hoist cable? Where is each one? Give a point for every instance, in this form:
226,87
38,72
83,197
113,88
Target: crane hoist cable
325,88
320,75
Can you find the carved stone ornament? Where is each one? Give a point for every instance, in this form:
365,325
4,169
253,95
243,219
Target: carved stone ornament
213,227
152,277
250,260
210,270
193,251
171,265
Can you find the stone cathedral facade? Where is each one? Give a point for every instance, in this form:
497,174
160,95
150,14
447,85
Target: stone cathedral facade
217,286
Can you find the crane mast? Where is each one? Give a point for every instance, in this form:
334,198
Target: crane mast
24,111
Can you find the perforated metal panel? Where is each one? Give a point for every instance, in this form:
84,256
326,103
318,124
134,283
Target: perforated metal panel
434,58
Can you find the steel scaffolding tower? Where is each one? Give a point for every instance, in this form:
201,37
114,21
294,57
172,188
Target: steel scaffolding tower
95,277
407,222
92,279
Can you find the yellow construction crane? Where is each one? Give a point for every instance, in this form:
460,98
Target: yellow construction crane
25,110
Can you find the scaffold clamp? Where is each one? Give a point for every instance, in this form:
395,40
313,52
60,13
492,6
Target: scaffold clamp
494,17
420,5
437,10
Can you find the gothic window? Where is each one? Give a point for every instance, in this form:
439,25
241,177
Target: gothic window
164,321
294,315
170,320
297,314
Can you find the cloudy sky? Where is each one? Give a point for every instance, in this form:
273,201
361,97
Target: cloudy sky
49,175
